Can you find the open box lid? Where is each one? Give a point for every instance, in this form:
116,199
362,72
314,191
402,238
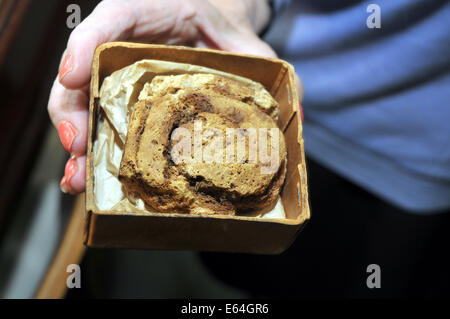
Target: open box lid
199,232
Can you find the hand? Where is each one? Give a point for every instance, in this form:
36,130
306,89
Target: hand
230,25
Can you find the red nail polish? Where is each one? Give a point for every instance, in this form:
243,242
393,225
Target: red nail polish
66,66
69,172
71,168
63,185
301,111
67,134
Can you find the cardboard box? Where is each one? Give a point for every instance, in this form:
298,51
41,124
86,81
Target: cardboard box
192,232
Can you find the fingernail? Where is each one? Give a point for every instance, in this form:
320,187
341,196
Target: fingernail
301,111
66,66
69,172
67,134
63,185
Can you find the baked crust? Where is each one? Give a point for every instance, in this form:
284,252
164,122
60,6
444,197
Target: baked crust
148,170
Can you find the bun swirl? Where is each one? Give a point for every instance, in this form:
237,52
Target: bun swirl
213,113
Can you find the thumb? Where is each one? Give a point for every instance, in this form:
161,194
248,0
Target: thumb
248,43
230,30
245,44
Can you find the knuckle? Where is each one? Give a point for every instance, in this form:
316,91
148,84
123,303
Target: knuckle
52,106
52,111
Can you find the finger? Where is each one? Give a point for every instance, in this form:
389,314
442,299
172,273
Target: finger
242,42
152,21
248,44
69,114
74,179
110,20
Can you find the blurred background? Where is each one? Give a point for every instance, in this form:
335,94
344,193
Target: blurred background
34,214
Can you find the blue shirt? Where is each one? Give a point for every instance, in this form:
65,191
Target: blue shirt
377,101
